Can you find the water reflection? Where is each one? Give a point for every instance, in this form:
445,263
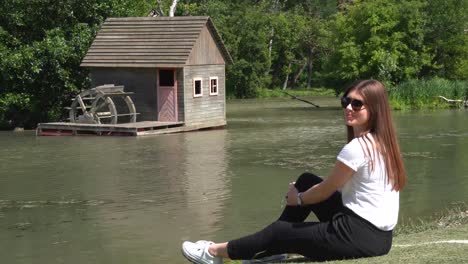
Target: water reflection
110,200
206,186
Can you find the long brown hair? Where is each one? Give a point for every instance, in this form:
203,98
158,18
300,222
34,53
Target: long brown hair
381,127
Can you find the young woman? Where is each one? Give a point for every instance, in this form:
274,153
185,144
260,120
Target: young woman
357,204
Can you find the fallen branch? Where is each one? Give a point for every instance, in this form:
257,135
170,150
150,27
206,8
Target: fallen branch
452,101
302,100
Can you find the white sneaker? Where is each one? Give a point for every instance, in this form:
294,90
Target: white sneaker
204,242
273,258
198,253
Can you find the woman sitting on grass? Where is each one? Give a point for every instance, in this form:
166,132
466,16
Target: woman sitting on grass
357,205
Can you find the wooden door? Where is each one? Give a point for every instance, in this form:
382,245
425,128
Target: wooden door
167,95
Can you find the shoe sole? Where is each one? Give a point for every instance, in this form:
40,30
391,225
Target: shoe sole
190,258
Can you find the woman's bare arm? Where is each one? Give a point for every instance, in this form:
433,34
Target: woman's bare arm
320,192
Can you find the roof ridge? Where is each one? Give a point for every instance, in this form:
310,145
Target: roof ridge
158,18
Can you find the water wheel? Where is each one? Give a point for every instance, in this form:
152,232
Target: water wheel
98,106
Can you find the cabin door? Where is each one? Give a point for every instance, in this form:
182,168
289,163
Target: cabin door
167,95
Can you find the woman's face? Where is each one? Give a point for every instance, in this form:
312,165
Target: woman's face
356,116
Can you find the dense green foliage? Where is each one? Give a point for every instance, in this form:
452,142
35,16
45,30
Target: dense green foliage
42,43
294,44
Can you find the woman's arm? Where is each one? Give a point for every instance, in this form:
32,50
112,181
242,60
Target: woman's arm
317,193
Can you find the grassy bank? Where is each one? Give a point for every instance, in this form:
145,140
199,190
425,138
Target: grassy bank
424,94
412,94
267,93
436,240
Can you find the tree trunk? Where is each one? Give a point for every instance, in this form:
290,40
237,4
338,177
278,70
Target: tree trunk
285,84
310,66
270,42
298,74
173,8
270,46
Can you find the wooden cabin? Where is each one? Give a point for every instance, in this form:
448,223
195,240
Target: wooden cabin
174,67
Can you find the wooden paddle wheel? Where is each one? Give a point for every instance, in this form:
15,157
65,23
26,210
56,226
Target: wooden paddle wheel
103,105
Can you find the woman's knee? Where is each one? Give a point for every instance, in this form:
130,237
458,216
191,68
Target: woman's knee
307,180
277,230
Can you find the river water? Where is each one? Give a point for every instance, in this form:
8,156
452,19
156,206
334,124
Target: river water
135,200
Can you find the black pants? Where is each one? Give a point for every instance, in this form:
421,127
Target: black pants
340,234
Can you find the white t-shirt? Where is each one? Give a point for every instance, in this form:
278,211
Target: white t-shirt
368,192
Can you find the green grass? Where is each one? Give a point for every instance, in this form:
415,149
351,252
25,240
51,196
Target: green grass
424,94
414,241
412,94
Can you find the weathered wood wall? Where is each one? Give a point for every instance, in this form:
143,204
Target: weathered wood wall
141,81
208,108
180,94
205,50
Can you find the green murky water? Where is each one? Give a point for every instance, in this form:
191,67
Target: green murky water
134,200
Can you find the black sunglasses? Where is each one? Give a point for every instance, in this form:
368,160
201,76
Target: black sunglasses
355,104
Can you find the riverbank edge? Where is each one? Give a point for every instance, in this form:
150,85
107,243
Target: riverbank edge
432,94
441,239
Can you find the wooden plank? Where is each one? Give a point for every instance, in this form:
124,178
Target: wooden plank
185,128
149,34
207,107
159,24
135,57
142,124
125,42
179,19
131,65
118,94
154,37
162,30
149,46
165,45
118,59
124,49
154,28
205,50
159,42
155,22
152,24
180,57
142,53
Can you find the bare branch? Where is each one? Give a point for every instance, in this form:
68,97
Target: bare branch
173,7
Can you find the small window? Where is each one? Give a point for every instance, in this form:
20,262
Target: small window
166,77
197,87
213,85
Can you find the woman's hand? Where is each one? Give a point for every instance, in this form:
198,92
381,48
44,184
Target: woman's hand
291,195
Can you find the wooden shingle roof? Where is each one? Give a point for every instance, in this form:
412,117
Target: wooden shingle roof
149,42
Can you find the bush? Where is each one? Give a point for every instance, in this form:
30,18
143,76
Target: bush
417,94
14,110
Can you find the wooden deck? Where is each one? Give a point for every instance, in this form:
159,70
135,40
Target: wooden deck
126,129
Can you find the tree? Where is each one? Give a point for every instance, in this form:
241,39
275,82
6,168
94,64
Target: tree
447,38
245,31
41,54
379,39
173,8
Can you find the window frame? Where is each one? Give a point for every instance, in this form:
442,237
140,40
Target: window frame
201,87
217,85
